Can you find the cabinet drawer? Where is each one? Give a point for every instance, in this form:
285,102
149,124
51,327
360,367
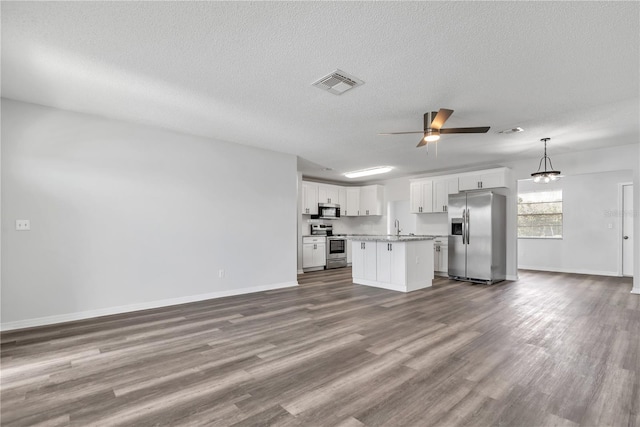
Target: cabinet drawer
314,240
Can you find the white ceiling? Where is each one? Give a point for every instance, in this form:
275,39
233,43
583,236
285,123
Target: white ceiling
242,72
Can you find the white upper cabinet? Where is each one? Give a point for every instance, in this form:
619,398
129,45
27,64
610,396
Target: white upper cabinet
421,196
353,201
328,194
371,198
352,204
442,187
309,198
491,178
342,199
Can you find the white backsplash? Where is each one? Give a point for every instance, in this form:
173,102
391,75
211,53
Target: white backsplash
435,224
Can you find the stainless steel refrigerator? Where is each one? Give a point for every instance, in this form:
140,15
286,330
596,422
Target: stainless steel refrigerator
477,237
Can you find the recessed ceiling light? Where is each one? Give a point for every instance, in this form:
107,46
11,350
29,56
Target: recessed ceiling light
512,130
366,172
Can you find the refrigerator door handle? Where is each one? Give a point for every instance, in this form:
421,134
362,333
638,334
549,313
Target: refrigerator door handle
464,227
468,212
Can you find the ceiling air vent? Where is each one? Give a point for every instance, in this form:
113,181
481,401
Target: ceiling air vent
338,82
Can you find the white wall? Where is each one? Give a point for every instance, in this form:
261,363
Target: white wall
591,226
125,216
636,227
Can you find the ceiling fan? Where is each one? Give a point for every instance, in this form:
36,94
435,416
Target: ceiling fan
433,122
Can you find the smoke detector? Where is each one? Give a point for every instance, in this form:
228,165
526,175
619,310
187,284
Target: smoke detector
337,82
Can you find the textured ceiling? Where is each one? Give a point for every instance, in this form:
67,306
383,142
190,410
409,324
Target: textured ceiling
242,72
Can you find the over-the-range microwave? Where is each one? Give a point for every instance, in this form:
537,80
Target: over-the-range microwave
327,211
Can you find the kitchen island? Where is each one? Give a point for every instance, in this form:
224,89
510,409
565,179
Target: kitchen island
398,263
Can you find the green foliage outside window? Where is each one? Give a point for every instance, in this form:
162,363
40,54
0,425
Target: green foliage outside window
540,214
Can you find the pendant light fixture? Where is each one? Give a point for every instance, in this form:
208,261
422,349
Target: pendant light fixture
545,176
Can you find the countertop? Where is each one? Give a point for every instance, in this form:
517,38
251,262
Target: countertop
388,238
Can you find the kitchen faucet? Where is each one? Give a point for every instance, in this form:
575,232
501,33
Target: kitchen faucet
397,227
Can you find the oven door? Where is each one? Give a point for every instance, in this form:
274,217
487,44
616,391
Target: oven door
336,248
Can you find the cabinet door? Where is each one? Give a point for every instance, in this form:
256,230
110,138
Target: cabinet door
398,263
383,273
444,258
440,196
307,255
421,197
427,197
357,259
493,180
441,190
370,260
323,195
353,202
309,198
415,197
320,255
328,194
469,182
371,200
436,256
342,200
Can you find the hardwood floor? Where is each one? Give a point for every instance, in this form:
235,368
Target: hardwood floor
549,350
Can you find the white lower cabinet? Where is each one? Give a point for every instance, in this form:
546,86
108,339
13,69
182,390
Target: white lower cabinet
399,266
441,257
363,260
391,263
314,253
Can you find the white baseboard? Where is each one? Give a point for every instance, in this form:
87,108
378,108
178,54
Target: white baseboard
389,286
512,277
300,271
635,291
570,270
69,317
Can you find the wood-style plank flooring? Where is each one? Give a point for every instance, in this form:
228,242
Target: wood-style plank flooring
548,350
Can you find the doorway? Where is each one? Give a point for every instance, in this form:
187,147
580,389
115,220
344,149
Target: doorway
627,229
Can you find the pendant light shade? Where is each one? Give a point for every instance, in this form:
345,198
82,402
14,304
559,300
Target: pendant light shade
545,176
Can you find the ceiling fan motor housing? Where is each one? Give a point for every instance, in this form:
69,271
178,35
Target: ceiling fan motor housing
428,119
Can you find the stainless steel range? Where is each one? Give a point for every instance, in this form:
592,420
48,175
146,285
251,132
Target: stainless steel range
336,252
336,245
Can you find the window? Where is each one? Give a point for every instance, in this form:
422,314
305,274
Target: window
540,215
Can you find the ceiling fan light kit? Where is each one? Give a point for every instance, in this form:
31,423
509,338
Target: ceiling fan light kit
432,135
545,176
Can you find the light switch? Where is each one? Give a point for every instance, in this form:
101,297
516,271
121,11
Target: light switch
609,225
23,225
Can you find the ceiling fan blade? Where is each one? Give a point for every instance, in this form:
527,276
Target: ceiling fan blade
421,143
401,133
440,118
483,129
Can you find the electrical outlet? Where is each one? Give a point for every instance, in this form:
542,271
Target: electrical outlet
221,273
23,225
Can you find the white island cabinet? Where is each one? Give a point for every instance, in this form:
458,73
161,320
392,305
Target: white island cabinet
402,264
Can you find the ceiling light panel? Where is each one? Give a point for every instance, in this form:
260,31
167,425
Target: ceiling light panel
367,172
